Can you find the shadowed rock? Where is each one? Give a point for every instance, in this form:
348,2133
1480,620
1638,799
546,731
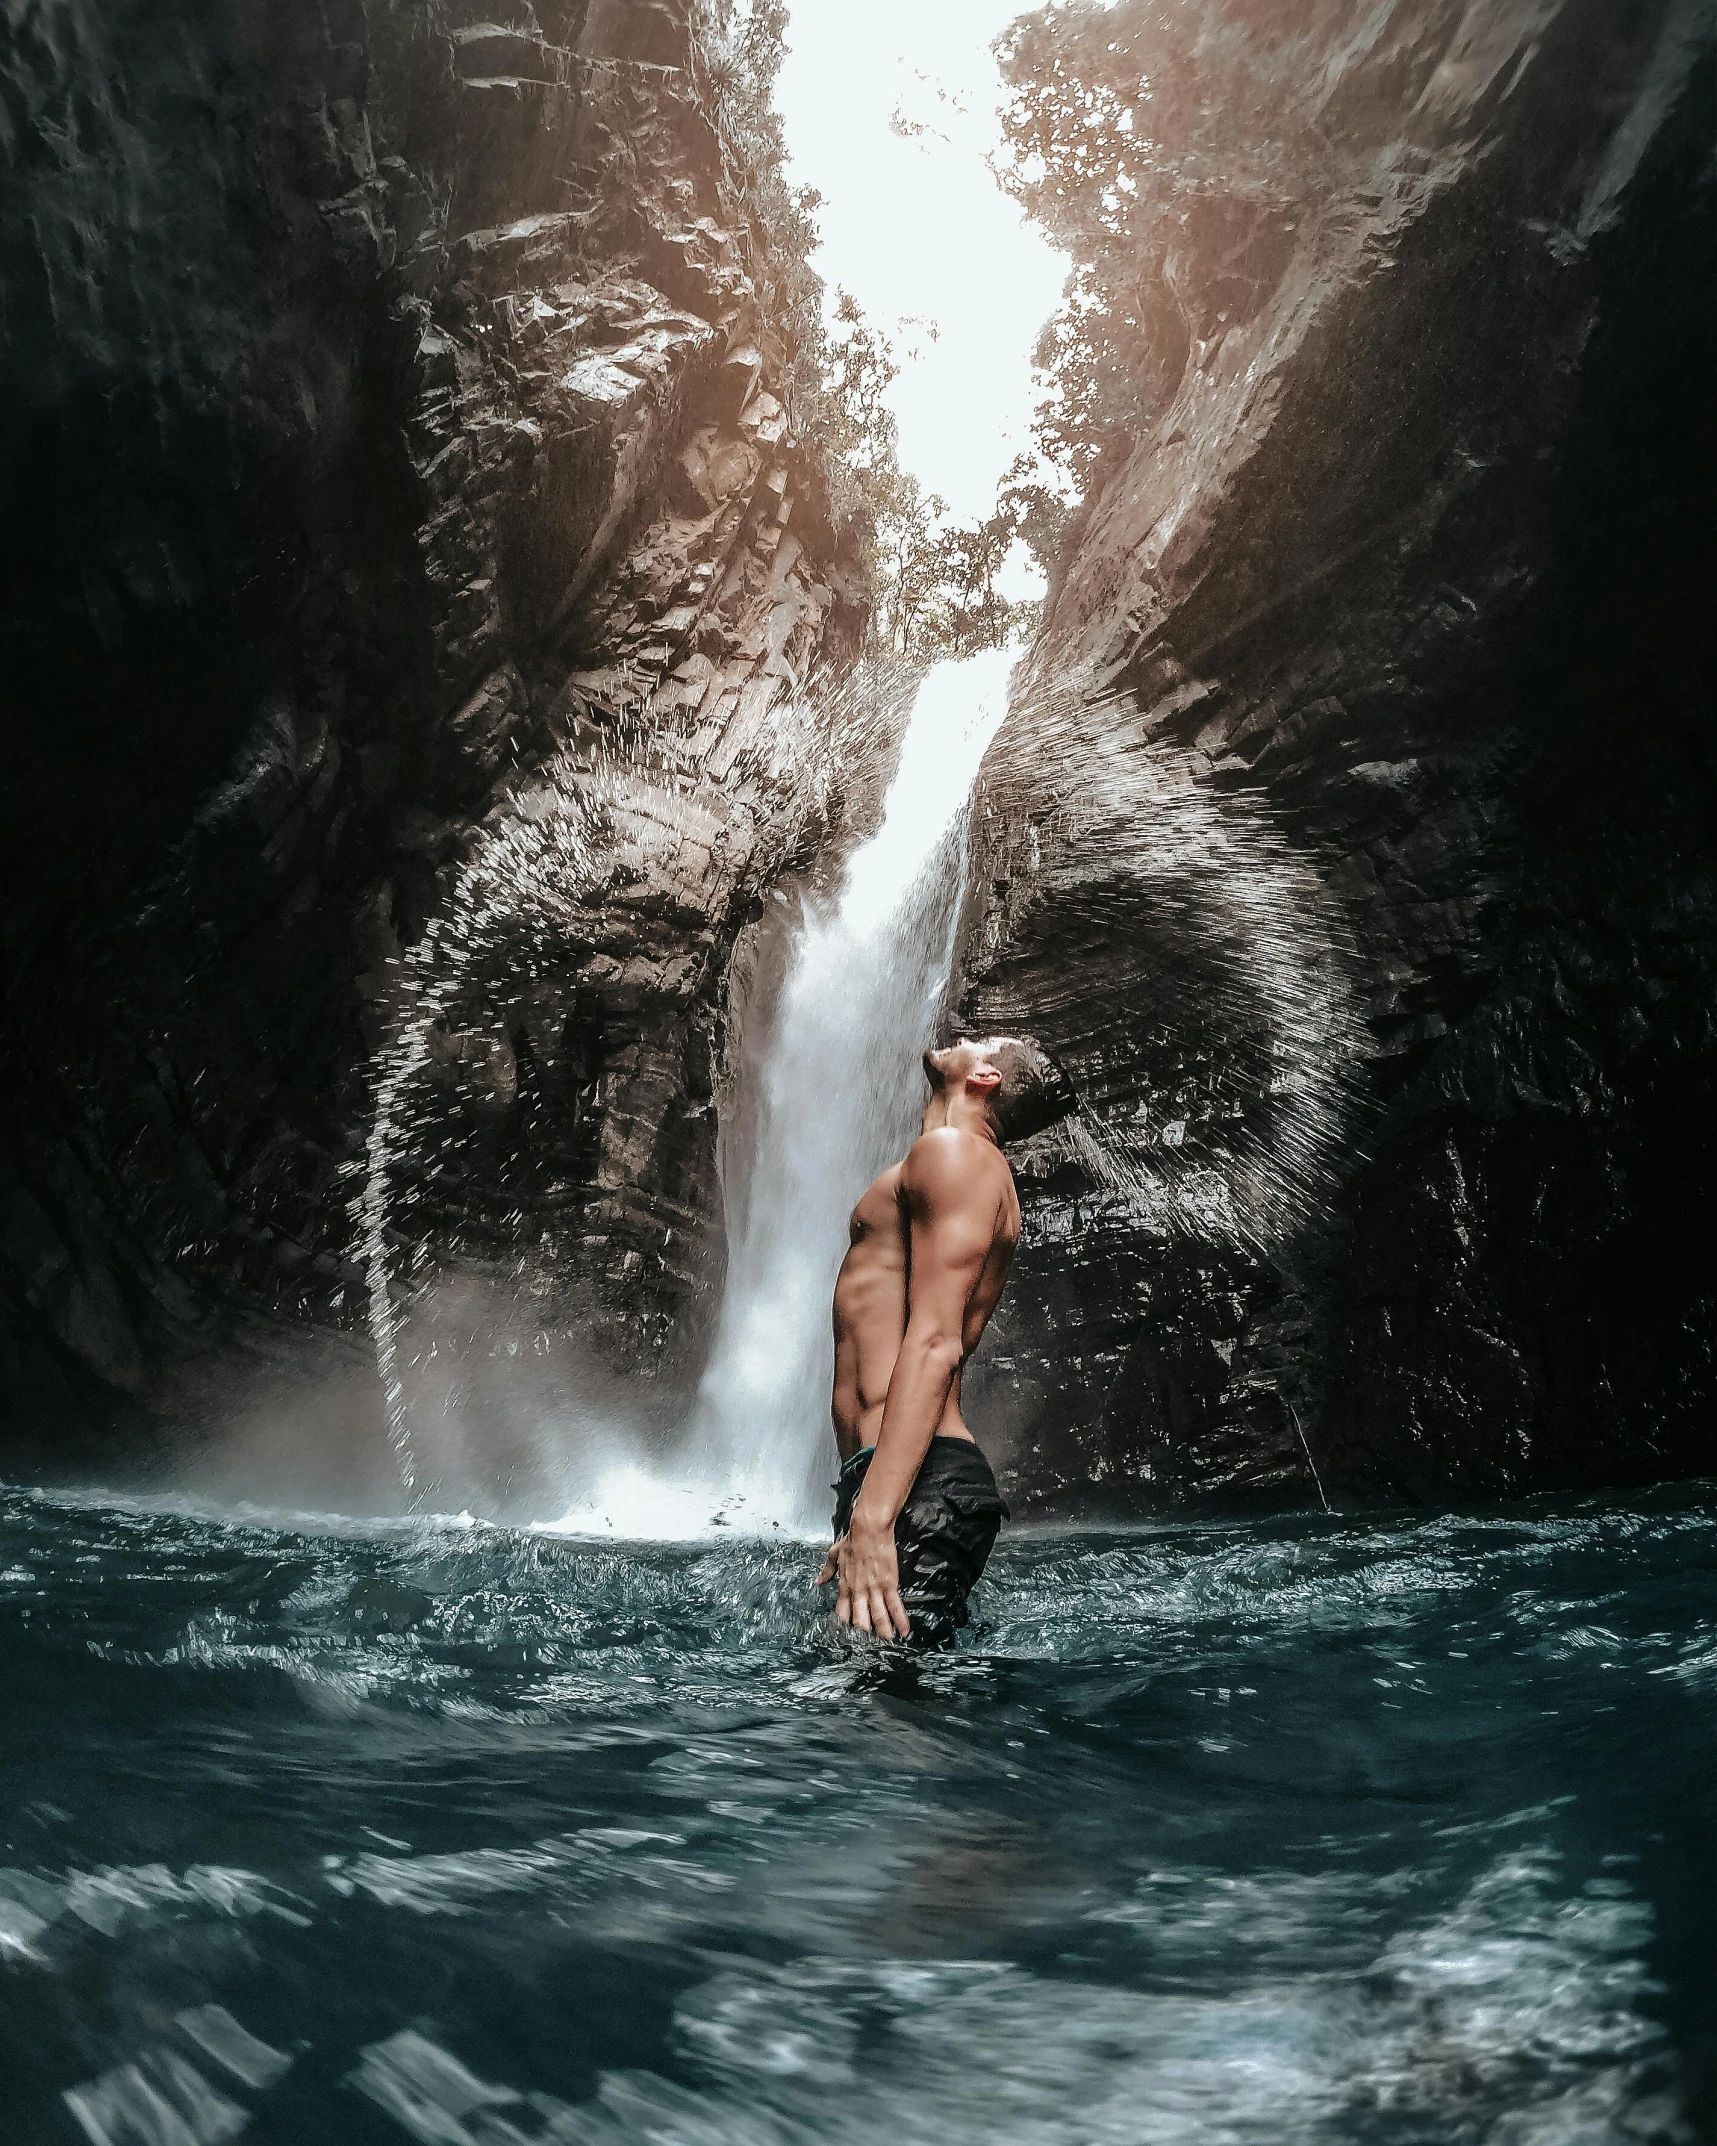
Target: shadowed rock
1351,842
388,424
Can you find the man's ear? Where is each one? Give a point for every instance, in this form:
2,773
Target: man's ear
985,1079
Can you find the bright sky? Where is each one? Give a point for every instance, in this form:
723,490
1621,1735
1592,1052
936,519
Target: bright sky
890,110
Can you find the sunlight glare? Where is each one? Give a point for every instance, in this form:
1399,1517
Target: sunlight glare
892,113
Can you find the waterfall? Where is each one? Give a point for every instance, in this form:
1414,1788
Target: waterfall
833,1097
841,1092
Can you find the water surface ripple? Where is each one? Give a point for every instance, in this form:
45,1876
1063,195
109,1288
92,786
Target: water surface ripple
1291,1830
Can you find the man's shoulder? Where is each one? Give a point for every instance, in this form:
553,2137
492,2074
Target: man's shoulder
950,1156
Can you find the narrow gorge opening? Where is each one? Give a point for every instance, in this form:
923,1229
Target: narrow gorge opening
496,1393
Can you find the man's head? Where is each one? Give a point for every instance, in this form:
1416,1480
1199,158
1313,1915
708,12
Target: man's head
1021,1086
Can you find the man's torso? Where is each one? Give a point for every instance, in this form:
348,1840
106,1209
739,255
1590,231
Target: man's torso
870,1307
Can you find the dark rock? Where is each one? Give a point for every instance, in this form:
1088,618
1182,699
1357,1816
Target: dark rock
1353,845
386,424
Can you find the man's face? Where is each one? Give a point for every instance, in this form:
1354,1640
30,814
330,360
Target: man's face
948,1067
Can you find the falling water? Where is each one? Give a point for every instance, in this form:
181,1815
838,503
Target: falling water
839,1095
520,912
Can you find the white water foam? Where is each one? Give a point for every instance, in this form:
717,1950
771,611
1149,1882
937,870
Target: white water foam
838,1096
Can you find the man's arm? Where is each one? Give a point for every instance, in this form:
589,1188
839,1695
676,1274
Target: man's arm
950,1188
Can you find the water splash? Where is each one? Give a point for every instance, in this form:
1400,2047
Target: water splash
1221,1061
526,905
533,868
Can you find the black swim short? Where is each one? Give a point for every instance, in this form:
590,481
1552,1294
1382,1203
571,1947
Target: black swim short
943,1534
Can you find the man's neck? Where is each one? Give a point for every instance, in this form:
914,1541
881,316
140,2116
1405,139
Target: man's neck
966,1113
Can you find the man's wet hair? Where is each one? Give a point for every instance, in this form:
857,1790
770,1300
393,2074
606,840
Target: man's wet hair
1034,1093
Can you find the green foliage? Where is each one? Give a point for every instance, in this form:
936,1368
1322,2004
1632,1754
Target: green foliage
842,407
1167,145
932,581
737,53
939,594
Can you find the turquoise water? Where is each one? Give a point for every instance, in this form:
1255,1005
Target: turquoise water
1303,1829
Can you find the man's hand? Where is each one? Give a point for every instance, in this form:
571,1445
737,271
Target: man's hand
869,1574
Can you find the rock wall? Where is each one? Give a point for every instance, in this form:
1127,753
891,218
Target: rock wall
392,439
1352,842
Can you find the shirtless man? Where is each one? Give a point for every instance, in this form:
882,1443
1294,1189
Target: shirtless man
917,1510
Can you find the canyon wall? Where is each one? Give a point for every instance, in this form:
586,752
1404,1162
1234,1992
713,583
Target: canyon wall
411,574
1352,840
393,446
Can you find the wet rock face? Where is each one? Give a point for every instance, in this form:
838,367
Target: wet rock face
1353,843
389,417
